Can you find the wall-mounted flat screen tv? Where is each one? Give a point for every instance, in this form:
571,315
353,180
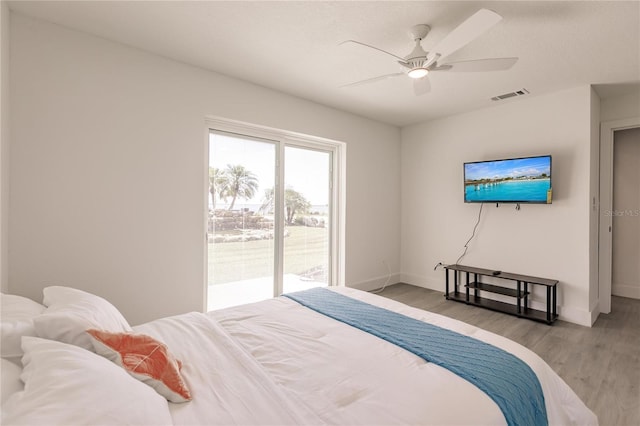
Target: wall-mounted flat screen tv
513,180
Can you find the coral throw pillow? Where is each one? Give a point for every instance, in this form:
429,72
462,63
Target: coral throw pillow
146,359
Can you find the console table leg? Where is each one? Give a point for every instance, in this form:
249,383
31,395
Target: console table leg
476,280
549,304
455,282
446,285
518,299
555,302
467,287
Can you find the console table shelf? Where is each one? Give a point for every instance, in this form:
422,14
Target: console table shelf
520,307
496,289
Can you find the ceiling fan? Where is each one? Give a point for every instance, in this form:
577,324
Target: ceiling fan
419,63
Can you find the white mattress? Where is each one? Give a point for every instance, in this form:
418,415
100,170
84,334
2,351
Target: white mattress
277,362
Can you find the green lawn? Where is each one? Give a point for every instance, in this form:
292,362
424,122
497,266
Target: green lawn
304,249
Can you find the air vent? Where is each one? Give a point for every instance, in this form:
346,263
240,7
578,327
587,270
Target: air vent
510,95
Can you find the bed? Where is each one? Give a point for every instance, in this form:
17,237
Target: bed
280,361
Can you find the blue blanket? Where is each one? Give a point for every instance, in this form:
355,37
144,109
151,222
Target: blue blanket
506,379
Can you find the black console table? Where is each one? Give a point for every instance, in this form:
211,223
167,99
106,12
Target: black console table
520,292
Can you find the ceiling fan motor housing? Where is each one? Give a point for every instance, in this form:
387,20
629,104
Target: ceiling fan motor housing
419,32
418,56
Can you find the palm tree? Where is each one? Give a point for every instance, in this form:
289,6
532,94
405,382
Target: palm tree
267,204
294,202
240,183
218,185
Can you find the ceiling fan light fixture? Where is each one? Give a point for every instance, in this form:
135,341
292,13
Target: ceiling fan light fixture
418,72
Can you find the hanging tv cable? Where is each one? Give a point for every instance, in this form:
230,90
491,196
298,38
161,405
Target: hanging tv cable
466,246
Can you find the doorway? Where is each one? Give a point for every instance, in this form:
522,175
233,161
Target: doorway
607,212
625,274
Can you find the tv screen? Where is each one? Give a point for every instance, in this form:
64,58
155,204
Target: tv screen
514,180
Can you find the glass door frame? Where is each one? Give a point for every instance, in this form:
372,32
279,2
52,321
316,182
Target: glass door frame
283,139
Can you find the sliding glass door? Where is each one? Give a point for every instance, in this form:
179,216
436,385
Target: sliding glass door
269,218
307,220
241,248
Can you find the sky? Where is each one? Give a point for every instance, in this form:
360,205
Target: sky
306,171
533,166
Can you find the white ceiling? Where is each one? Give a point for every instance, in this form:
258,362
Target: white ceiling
293,47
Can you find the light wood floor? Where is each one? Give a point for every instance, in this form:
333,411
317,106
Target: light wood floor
601,364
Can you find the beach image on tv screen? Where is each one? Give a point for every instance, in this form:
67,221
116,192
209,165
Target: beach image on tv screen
523,180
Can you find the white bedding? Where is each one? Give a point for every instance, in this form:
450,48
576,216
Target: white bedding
277,362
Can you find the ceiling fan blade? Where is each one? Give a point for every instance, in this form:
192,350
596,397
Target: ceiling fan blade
479,65
373,47
374,79
468,31
421,86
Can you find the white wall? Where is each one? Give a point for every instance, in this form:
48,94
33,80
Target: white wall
108,177
621,106
4,145
542,240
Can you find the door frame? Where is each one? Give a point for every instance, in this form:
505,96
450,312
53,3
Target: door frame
338,191
605,246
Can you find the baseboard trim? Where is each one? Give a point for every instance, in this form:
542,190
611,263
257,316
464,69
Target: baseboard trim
625,290
419,281
595,312
376,283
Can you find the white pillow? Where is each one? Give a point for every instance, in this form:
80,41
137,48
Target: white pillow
67,385
17,314
10,376
70,312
